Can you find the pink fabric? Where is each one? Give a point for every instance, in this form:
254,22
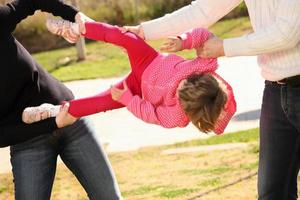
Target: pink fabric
140,55
153,89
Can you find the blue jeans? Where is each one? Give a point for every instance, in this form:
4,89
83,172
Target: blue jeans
279,142
34,163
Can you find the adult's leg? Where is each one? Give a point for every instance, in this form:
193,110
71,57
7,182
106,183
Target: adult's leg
34,165
279,140
86,159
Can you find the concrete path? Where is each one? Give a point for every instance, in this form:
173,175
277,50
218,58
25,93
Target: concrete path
119,130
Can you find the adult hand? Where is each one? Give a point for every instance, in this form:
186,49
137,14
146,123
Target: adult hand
212,48
80,19
64,118
134,29
173,44
117,93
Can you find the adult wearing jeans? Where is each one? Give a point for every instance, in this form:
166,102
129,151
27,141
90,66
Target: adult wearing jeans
276,41
35,147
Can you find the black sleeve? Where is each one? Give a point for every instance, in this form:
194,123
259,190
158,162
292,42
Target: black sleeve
19,132
12,13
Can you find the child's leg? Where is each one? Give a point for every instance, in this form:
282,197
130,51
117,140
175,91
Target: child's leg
139,52
103,101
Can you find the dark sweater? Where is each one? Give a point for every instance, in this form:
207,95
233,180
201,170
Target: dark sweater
23,82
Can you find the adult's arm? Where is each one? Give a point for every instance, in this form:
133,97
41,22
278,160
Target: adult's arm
200,13
16,132
283,34
14,12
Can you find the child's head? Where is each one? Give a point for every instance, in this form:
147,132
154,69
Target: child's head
202,99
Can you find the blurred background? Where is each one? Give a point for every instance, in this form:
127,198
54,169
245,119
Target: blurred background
151,162
118,12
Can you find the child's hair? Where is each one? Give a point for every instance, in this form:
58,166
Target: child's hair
203,100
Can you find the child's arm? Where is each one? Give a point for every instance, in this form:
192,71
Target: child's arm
188,40
166,116
194,38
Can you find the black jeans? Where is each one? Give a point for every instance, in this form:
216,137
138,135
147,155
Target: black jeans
279,142
34,163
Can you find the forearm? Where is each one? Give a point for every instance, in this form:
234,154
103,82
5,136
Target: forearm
19,132
283,34
200,13
12,13
57,8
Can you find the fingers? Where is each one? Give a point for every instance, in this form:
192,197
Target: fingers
81,18
45,114
125,85
167,46
173,44
64,118
124,29
71,37
65,107
133,29
204,53
115,93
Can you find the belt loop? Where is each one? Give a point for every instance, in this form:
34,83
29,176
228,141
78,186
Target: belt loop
280,82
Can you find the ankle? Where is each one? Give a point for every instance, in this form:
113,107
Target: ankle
76,28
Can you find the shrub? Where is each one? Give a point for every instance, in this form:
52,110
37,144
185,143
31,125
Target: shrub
118,12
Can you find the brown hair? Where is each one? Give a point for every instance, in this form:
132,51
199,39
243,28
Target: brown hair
202,99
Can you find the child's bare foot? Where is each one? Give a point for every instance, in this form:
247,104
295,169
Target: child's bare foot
38,113
68,30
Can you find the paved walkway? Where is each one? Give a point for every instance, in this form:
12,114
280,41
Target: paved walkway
119,130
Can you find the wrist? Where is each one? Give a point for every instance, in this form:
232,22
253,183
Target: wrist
141,32
186,41
58,123
126,97
222,51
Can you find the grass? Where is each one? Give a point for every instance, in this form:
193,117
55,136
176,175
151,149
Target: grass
241,136
148,174
105,60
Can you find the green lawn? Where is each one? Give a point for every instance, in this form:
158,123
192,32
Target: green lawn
105,60
149,174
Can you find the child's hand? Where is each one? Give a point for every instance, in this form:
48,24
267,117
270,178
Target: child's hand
64,118
134,29
80,19
117,93
173,44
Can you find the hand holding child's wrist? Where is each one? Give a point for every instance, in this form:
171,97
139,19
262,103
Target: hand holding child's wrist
141,32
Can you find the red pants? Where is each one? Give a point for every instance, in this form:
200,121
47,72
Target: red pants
140,55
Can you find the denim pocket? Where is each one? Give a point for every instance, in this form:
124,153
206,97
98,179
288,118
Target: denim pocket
29,144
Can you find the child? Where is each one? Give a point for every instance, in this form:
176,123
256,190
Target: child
161,89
